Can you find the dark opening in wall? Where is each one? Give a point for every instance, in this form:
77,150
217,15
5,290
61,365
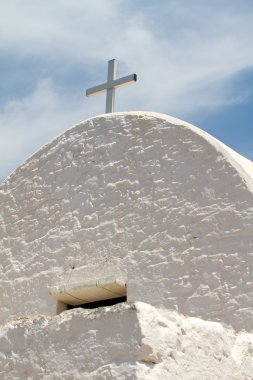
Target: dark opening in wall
101,303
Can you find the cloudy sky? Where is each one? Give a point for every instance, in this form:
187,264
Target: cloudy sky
194,60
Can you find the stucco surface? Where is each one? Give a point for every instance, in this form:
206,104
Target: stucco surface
143,196
127,341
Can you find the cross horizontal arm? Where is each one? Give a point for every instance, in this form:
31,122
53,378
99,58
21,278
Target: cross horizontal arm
114,84
122,81
96,89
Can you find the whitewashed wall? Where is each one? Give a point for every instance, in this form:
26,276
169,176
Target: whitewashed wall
144,196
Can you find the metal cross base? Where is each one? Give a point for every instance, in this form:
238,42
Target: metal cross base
110,86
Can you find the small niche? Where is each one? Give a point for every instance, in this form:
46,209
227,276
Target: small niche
89,294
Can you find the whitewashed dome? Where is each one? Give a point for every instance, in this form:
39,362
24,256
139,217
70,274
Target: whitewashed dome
145,197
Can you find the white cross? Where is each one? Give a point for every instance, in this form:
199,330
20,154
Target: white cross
110,85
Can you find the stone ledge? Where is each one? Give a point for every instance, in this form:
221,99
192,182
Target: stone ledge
124,341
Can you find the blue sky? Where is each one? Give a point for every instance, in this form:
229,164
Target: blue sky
194,60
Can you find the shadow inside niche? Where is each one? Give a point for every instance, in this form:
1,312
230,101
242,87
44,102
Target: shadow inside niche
94,305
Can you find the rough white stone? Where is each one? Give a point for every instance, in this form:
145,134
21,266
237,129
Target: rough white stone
143,196
125,341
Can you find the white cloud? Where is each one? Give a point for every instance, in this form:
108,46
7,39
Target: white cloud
28,123
66,29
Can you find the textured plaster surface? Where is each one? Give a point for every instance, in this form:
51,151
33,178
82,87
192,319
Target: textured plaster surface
143,196
127,341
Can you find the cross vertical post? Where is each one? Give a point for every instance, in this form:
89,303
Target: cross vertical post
110,93
110,86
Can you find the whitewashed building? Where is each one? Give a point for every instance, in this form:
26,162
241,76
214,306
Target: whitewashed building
149,212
